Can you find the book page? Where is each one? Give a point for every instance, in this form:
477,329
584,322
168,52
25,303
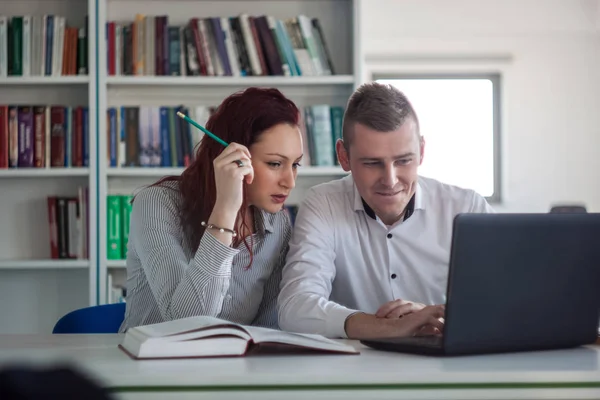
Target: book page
184,325
210,332
263,335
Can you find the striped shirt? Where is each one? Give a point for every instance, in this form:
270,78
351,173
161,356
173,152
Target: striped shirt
167,279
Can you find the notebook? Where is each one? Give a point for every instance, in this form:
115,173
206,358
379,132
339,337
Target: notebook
213,337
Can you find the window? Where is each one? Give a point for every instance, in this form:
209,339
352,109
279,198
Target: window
459,119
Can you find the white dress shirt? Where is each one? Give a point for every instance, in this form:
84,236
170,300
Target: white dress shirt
343,259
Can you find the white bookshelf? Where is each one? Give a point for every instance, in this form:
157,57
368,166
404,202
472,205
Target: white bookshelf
21,265
44,172
35,290
44,80
278,81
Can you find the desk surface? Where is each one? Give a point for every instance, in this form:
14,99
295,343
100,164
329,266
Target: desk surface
574,373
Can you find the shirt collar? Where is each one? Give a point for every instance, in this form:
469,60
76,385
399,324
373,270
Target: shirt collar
263,220
415,203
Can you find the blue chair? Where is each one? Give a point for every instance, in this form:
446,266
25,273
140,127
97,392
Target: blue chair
96,319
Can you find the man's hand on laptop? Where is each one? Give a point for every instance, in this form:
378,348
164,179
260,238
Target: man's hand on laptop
426,321
398,308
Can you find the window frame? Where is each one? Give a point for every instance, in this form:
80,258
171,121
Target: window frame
496,79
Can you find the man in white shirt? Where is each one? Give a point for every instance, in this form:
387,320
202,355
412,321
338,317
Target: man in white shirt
371,250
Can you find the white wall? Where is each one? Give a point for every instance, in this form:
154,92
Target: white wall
549,54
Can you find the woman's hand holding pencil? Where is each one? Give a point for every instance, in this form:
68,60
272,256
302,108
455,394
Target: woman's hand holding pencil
232,167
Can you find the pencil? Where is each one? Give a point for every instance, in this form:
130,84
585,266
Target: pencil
203,129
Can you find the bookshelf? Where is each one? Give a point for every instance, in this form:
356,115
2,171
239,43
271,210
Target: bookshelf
44,80
278,81
36,289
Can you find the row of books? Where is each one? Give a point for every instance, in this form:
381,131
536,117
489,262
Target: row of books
39,136
242,45
150,136
68,220
41,45
153,136
118,212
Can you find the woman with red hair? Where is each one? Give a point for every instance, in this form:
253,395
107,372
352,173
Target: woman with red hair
213,241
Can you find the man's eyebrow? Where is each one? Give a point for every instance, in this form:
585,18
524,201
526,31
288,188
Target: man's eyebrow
409,154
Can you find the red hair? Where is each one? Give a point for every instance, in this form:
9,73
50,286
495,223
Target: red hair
240,118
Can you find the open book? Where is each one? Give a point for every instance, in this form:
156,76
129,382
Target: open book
214,337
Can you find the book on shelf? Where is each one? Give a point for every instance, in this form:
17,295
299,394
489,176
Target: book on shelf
153,136
118,213
204,336
242,45
42,45
39,136
68,220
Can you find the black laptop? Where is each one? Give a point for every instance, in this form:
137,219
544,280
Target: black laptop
517,282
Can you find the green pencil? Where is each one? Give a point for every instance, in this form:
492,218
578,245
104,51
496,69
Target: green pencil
203,129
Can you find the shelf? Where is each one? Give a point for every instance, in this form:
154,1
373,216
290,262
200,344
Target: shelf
44,264
116,264
159,172
44,80
43,172
230,80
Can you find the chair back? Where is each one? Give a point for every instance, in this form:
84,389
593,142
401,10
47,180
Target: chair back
105,318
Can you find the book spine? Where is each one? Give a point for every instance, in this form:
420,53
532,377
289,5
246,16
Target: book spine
164,137
126,208
63,227
39,147
3,46
26,60
113,227
25,117
57,136
52,224
13,137
17,45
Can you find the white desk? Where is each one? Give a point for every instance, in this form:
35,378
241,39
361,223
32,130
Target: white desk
560,374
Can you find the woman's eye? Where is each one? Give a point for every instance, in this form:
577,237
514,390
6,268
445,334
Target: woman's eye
296,165
274,164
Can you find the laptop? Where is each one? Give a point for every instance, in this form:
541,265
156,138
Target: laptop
517,282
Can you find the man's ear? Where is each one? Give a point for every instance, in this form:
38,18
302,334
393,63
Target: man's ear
342,155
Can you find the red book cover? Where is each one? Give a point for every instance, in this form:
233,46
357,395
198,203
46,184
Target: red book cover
112,65
77,142
57,136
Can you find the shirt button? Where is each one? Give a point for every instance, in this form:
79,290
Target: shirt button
393,276
389,235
